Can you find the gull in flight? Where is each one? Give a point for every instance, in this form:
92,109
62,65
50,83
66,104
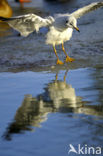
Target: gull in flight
60,27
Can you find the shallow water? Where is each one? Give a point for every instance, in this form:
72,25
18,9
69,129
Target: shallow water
42,112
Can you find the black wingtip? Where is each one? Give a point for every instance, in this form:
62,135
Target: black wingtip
4,19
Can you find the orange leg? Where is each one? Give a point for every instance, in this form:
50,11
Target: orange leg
65,75
58,61
23,1
68,59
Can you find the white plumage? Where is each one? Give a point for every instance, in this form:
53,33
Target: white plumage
56,37
60,26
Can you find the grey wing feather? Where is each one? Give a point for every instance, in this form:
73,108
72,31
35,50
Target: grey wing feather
26,24
82,11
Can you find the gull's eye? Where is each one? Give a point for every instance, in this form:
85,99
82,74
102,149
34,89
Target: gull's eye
66,21
71,24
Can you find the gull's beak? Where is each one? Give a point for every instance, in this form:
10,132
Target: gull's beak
77,29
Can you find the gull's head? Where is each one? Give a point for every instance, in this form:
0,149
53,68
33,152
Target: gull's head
71,22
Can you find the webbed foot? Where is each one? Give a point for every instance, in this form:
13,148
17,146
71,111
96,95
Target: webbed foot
59,62
69,59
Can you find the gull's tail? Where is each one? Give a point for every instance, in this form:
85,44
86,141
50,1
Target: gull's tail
5,19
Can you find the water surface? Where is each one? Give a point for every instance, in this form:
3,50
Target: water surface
42,113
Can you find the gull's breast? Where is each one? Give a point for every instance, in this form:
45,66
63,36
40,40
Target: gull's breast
57,37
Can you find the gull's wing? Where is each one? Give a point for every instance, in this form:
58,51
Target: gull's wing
26,24
82,11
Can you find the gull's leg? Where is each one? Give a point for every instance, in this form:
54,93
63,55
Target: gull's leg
23,1
58,61
56,77
65,75
68,59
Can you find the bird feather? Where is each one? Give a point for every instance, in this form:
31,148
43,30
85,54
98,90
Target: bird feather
91,7
26,24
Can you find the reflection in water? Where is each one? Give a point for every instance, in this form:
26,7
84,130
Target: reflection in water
57,97
62,94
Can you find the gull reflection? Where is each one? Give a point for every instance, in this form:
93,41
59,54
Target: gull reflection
58,96
62,94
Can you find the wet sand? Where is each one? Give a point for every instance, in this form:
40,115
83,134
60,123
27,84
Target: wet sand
31,53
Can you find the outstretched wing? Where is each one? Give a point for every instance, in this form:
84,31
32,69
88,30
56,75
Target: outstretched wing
82,11
26,24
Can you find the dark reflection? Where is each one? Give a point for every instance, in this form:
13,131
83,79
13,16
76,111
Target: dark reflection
58,96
